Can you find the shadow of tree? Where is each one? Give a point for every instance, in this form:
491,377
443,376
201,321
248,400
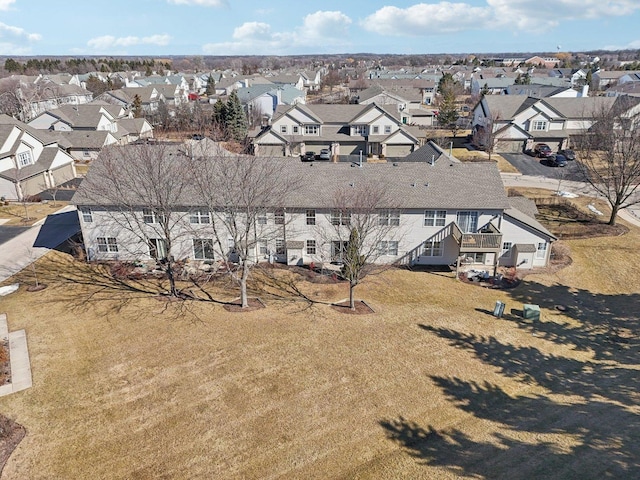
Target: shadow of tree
586,424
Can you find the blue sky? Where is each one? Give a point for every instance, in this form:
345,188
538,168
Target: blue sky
278,27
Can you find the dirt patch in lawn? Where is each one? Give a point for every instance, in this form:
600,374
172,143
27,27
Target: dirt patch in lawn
236,305
5,366
11,433
361,308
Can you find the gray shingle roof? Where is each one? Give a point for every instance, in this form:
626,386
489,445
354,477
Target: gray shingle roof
447,185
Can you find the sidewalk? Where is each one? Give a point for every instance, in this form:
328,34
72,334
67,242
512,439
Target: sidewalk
29,246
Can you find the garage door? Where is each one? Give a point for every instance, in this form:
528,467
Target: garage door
505,146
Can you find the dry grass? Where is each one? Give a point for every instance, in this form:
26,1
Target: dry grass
430,386
16,215
465,155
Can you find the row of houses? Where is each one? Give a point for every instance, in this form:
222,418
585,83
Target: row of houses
433,213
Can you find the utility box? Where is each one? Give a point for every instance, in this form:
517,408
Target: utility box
531,312
498,310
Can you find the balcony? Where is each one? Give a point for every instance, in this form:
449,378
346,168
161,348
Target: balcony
489,240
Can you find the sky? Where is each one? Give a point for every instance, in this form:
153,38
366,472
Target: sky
278,27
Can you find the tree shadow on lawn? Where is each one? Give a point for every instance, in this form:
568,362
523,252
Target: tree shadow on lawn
599,417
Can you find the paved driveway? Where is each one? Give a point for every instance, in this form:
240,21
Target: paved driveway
538,167
7,233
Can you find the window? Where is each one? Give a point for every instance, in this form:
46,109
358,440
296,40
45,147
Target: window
340,218
203,249
280,246
295,129
432,248
474,257
541,251
390,218
506,246
311,217
376,129
539,125
360,130
388,247
148,216
262,218
467,221
262,247
434,218
311,247
283,129
279,216
107,244
87,216
387,129
311,130
200,216
157,248
24,159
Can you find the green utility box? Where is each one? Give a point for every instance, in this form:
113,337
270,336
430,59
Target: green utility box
531,312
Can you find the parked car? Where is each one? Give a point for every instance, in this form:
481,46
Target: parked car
324,154
568,154
542,150
557,160
309,156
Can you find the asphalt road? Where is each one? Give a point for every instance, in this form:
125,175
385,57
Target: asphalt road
538,167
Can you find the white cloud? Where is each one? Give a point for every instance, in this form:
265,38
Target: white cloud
318,30
201,3
8,30
5,4
12,49
633,45
425,19
107,42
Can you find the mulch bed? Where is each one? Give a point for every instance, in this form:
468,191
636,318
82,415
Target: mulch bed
11,434
5,366
505,283
361,308
236,305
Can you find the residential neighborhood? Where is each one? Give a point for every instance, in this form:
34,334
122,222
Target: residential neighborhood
319,265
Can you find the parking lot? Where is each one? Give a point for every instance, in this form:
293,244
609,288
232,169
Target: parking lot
528,165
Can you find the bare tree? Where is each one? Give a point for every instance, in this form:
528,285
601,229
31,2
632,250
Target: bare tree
247,198
610,155
487,135
142,191
365,227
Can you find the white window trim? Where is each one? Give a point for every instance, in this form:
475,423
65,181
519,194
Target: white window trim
199,217
107,244
200,244
435,218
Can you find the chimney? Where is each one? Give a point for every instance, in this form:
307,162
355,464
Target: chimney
585,90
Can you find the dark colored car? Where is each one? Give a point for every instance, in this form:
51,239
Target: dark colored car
557,160
324,154
568,154
308,156
542,150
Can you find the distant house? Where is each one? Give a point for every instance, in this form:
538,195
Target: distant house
84,146
370,130
263,99
30,160
518,121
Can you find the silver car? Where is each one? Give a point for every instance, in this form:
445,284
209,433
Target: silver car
324,154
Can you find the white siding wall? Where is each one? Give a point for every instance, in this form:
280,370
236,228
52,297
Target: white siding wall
410,236
515,232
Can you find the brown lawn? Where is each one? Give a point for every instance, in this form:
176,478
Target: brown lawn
126,386
15,212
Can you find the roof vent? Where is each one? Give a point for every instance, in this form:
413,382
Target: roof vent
395,164
352,184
